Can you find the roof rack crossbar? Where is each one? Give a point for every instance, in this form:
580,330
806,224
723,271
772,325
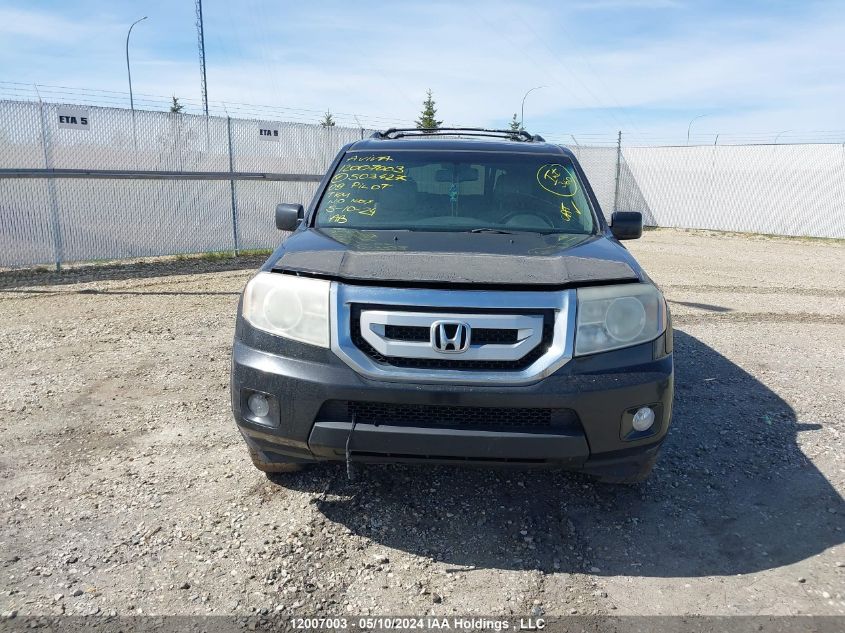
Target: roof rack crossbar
482,134
518,135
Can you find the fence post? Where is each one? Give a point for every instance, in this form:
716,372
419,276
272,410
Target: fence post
232,187
56,222
618,172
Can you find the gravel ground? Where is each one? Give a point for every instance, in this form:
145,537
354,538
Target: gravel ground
125,487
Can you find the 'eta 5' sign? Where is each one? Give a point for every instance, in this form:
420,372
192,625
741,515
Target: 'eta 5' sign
74,119
268,133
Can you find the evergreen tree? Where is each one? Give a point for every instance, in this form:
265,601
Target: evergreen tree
176,106
328,120
515,125
428,120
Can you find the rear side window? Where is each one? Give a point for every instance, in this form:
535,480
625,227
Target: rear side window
456,191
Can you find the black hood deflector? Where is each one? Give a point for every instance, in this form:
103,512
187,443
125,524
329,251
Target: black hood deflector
488,259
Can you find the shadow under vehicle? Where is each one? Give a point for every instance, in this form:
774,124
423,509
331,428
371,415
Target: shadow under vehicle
732,494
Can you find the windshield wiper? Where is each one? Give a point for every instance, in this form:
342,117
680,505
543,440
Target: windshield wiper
489,230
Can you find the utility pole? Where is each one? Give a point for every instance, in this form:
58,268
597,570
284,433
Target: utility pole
201,45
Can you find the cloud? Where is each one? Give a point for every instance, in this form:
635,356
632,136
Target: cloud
645,67
34,27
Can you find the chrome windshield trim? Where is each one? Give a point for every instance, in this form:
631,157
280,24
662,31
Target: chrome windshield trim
562,302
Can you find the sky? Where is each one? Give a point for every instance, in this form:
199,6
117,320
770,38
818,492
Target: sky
750,70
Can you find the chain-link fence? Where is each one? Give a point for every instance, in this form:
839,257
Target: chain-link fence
772,189
169,183
794,190
175,183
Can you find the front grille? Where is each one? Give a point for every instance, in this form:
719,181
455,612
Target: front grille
407,332
479,336
446,416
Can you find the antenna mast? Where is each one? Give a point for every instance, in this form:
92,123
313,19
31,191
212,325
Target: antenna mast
201,46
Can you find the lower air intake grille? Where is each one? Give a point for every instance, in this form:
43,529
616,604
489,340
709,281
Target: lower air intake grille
421,415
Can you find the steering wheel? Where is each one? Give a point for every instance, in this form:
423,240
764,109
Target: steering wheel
513,214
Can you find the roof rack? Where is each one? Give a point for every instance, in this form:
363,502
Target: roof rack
515,135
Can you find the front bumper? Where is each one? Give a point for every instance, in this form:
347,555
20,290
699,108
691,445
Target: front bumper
305,382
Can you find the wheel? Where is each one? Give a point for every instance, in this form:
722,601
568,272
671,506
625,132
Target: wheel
273,467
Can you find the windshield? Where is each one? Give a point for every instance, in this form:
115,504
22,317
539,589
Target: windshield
456,191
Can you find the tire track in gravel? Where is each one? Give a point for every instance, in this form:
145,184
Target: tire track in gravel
758,317
754,290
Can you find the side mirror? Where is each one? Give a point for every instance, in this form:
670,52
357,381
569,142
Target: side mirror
626,225
288,216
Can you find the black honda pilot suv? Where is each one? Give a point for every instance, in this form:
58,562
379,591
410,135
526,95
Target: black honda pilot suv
454,296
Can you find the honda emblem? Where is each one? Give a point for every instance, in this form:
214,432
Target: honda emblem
450,337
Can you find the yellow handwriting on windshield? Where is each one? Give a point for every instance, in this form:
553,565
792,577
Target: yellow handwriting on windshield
363,206
368,159
376,186
565,212
339,204
370,172
353,188
396,169
557,179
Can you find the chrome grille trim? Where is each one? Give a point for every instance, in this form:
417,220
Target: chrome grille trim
562,302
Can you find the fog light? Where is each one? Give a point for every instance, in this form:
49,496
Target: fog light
260,406
643,419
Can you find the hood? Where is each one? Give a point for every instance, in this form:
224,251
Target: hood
452,257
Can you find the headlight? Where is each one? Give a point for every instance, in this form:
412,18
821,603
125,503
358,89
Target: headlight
293,307
610,317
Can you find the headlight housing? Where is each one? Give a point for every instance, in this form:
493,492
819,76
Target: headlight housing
611,317
293,307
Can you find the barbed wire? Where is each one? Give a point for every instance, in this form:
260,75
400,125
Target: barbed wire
19,91
112,98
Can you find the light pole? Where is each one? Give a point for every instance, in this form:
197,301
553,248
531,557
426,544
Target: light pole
131,100
522,110
779,135
700,116
128,70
